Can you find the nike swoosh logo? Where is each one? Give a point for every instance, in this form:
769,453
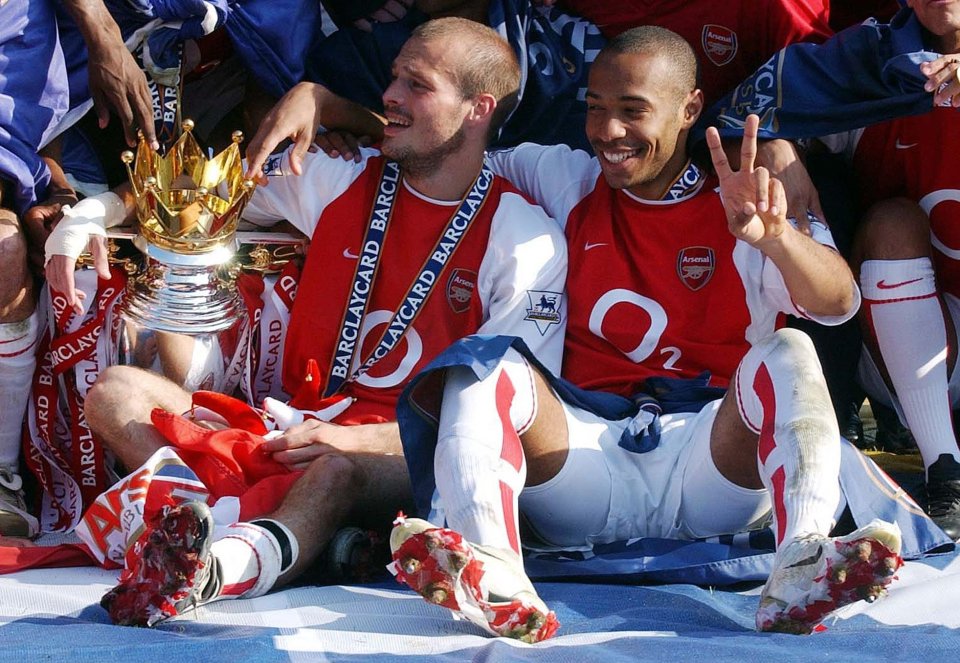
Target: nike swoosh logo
901,146
347,254
587,245
883,285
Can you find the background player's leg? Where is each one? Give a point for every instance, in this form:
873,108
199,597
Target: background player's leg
18,333
912,340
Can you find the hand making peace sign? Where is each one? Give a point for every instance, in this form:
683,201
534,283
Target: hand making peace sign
755,203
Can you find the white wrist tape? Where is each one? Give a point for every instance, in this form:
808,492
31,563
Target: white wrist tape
90,217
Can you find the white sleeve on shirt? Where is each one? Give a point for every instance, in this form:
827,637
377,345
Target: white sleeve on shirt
775,289
301,199
556,177
526,259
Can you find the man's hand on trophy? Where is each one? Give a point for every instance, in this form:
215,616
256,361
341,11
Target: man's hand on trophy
83,227
116,82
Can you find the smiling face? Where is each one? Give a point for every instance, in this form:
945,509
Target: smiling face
424,106
638,117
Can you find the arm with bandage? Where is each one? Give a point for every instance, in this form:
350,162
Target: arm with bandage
84,228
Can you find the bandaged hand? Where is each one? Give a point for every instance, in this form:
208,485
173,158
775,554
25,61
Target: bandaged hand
83,227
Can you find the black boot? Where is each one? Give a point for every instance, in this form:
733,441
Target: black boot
851,426
355,555
943,495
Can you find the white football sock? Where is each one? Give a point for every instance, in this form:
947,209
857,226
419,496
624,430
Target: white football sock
479,464
903,310
18,360
783,396
253,556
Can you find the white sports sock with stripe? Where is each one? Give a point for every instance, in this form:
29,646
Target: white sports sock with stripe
479,464
17,362
783,397
907,320
253,556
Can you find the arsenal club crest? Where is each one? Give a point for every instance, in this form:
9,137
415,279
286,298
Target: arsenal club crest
719,43
695,265
460,288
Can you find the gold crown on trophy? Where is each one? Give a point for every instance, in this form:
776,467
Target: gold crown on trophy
187,202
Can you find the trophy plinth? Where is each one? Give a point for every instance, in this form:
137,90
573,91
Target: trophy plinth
182,315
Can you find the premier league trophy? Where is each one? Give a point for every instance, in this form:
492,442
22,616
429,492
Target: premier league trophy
182,315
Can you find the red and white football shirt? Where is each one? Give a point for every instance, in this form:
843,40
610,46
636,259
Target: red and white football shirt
656,287
511,261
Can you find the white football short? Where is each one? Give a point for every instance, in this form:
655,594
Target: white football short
674,491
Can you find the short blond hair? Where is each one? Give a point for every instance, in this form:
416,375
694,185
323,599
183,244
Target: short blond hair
489,66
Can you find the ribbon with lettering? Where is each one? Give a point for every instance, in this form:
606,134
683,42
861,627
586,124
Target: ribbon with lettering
164,86
84,343
687,182
364,277
58,445
61,493
268,300
418,292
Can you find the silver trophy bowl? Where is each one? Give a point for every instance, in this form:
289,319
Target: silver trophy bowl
182,317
